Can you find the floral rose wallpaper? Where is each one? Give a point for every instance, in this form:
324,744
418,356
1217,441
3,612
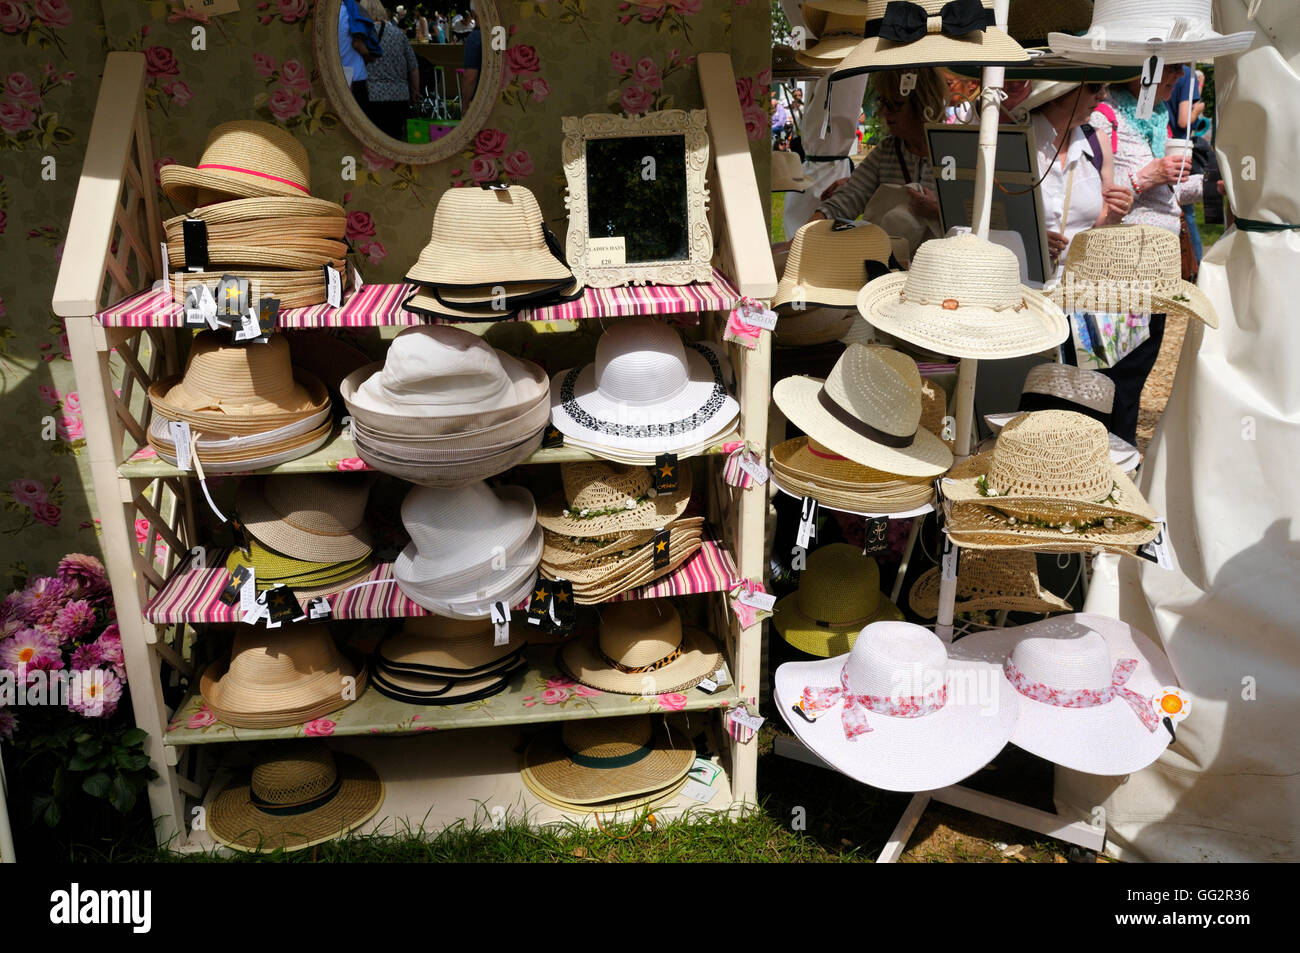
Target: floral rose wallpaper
563,57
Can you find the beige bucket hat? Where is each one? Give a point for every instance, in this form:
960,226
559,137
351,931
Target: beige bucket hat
838,595
989,581
641,648
828,264
241,159
787,172
319,517
611,499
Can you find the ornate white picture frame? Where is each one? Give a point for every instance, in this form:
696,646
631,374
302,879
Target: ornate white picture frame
646,202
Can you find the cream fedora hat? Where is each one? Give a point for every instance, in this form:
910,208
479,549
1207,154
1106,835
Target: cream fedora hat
1125,32
241,159
828,264
641,648
868,410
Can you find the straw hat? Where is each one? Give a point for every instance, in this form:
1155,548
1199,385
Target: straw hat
604,499
646,391
1129,268
963,297
988,581
274,212
313,516
641,648
273,569
447,648
869,410
897,712
284,253
223,453
838,25
1124,32
430,690
278,677
813,326
787,172
242,159
929,33
565,551
803,467
1085,686
605,759
488,237
838,594
293,289
828,265
298,794
613,806
600,579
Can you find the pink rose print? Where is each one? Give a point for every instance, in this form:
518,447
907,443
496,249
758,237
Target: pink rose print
538,88
673,701
490,143
160,61
745,91
360,225
291,11
13,17
560,681
764,77
621,62
21,90
756,122
647,73
50,395
28,492
522,59
518,164
320,728
375,252
179,92
264,63
15,119
295,76
53,13
71,402
353,463
201,718
70,429
141,530
47,513
285,104
585,691
554,696
376,162
483,169
637,99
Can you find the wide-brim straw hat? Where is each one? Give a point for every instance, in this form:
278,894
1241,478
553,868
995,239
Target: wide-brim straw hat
988,581
312,516
604,499
279,677
1129,269
564,550
1122,453
641,648
1070,653
828,264
276,212
962,296
601,583
241,159
612,806
1124,32
913,745
803,467
868,410
515,296
226,453
425,304
296,796
606,759
487,237
430,690
293,289
787,172
447,648
839,593
838,26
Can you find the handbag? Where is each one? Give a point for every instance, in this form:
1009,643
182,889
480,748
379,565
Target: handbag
1102,340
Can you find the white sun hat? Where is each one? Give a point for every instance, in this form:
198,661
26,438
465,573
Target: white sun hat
868,410
1126,32
896,712
1086,687
647,391
963,297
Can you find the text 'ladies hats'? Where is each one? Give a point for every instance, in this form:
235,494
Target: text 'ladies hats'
828,264
838,594
641,648
896,712
1086,687
242,159
868,410
296,795
1125,32
962,296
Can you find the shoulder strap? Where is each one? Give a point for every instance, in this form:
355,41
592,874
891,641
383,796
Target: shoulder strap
1091,135
902,164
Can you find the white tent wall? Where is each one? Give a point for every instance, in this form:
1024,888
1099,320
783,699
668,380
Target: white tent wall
1222,467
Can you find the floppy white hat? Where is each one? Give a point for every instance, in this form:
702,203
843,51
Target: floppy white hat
1086,688
646,391
1125,32
896,712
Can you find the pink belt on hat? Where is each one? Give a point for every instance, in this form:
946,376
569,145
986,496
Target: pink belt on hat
1086,697
854,716
263,175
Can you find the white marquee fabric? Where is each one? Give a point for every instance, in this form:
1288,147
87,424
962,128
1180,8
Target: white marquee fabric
841,139
1223,468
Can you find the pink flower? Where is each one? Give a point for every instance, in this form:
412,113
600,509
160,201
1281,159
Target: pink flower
74,620
295,76
13,17
586,691
70,428
483,169
157,166
518,164
8,724
53,13
285,104
15,119
673,701
621,62
84,572
141,530
522,59
647,73
87,656
95,693
376,162
637,99
756,122
490,143
560,681
179,92
291,11
201,718
320,728
352,463
538,88
110,647
72,402
375,252
764,77
745,91
688,7
32,648
160,61
28,492
47,513
554,696
4,220
50,395
19,89
265,64
360,225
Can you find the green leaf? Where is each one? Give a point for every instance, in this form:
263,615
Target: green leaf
130,761
135,736
97,785
53,814
122,796
79,763
90,748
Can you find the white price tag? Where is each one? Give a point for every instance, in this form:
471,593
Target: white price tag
906,83
1158,550
742,717
763,601
166,266
721,677
807,523
501,623
762,318
318,608
750,463
949,559
249,329
333,287
707,685
1152,68
356,279
697,791
180,434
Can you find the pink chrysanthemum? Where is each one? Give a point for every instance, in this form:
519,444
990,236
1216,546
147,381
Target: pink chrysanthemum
84,572
43,599
74,620
32,649
110,647
8,724
89,655
95,693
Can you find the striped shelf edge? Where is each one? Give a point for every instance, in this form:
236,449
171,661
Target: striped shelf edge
191,594
381,305
538,693
339,453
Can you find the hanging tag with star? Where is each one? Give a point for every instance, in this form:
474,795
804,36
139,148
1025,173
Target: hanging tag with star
659,547
664,473
539,602
564,610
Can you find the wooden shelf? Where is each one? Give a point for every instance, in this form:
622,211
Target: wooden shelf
537,694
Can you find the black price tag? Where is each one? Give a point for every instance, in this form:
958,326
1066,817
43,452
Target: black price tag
230,595
539,603
242,539
875,537
283,605
660,548
552,437
496,186
196,244
232,297
564,611
664,475
268,312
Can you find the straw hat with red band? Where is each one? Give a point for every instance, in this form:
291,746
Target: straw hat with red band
242,159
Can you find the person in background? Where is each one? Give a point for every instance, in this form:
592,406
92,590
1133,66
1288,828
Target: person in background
352,50
780,124
393,83
466,31
1184,117
421,26
961,99
441,35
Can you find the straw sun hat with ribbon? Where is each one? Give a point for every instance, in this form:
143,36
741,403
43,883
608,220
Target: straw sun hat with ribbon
242,159
611,499
838,594
988,581
963,297
803,467
896,712
641,648
1128,31
438,661
296,795
828,264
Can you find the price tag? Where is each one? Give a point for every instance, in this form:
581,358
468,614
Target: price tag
743,717
539,602
232,297
875,536
750,463
807,523
268,313
1152,68
707,685
660,549
166,266
721,677
906,83
333,287
180,434
948,561
232,595
1157,551
501,623
318,608
552,437
282,605
607,252
357,283
212,8
697,791
195,232
240,531
563,610
664,474
200,307
763,601
246,328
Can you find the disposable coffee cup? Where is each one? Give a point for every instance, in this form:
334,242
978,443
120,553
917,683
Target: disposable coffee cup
1179,147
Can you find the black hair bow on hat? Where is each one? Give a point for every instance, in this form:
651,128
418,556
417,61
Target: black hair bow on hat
906,22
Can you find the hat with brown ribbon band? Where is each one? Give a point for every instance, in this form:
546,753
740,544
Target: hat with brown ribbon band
641,648
311,516
242,159
838,595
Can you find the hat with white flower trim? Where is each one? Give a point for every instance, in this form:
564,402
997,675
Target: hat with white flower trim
606,499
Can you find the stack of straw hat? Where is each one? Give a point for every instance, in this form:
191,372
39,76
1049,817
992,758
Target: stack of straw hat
489,255
988,581
607,764
446,409
470,546
437,661
601,536
275,678
252,190
246,405
307,531
838,594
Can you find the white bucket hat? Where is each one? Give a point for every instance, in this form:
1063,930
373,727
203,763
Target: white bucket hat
646,391
896,712
1086,686
1125,32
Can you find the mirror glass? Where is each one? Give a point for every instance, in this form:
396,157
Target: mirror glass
636,190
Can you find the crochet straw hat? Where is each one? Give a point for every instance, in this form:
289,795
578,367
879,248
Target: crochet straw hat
297,794
293,289
242,159
828,265
989,581
641,648
838,594
600,580
787,172
1085,686
868,410
963,297
279,677
1129,269
897,712
313,516
562,551
605,499
447,648
1124,32
488,237
605,759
